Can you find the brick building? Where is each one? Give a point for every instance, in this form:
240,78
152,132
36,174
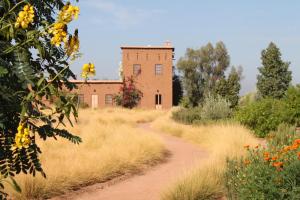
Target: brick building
152,68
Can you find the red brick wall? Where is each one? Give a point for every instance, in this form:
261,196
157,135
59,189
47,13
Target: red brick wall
100,89
147,81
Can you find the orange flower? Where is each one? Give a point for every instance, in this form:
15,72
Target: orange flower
247,146
297,141
274,158
246,162
278,164
267,158
287,148
294,146
256,146
298,155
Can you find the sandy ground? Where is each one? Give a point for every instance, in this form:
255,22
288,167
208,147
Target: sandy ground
148,185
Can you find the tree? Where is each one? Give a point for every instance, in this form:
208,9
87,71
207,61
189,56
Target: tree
202,69
129,96
230,88
275,77
177,90
35,51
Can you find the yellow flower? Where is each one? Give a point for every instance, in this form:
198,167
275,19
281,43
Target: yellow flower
88,70
25,17
72,46
59,33
68,13
22,138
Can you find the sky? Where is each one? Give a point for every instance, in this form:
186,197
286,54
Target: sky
246,28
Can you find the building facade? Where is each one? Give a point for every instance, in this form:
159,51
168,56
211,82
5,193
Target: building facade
152,69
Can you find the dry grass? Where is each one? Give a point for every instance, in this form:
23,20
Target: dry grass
221,140
112,146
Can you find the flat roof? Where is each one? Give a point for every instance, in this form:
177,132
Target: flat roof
147,47
96,81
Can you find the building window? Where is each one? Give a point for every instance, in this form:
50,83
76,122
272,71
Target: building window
127,56
158,99
158,69
137,56
137,69
80,98
108,99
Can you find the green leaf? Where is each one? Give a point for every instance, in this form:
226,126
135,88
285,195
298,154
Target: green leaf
22,67
3,71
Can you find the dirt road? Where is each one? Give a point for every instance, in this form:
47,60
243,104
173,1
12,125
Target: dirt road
150,184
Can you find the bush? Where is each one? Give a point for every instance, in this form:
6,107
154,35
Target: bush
292,100
262,116
267,173
129,96
187,115
215,108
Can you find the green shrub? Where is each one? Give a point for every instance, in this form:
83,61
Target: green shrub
215,108
262,116
284,135
187,115
292,100
267,173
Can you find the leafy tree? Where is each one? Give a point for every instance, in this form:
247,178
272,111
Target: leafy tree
202,69
177,90
275,77
35,50
129,96
230,88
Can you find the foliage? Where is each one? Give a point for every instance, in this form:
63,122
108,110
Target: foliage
262,116
184,102
187,115
34,67
201,69
215,108
129,96
267,173
265,115
292,99
177,90
247,99
275,77
230,88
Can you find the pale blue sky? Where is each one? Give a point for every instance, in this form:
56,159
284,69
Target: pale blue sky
246,27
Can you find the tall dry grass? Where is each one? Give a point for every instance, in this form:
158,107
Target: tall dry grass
112,146
221,141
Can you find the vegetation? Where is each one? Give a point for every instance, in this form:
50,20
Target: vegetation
113,146
262,116
275,77
267,173
265,115
230,88
204,74
129,96
35,50
214,108
177,90
219,141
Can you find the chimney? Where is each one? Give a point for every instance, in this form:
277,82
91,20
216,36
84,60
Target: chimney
168,43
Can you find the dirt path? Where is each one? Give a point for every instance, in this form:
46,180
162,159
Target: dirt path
147,186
